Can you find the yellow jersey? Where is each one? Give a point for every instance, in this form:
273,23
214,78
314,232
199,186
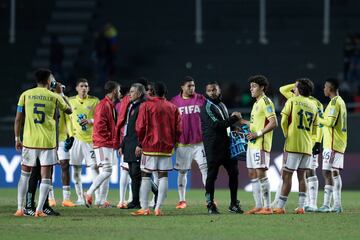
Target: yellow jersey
64,126
286,91
39,105
262,110
85,107
335,125
299,123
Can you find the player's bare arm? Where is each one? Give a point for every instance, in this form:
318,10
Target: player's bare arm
19,121
273,123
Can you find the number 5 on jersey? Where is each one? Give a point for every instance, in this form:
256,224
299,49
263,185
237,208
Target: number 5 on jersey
39,112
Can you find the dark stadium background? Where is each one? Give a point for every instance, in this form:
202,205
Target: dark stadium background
156,39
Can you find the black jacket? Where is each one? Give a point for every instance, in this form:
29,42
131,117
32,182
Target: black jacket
130,141
214,122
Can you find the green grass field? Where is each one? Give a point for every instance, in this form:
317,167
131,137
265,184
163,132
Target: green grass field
190,223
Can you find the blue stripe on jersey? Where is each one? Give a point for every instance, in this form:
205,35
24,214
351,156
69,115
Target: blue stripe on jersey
20,108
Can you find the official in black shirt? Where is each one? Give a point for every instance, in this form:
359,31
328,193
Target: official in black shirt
215,122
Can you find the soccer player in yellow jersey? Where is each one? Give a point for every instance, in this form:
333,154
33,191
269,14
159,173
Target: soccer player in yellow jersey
334,145
36,109
82,120
64,125
262,122
299,122
312,181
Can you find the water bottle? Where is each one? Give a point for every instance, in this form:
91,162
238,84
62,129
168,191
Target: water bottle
81,117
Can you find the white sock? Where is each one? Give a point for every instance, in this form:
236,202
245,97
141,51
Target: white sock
163,188
104,190
307,199
130,198
66,193
155,177
302,197
145,188
22,188
337,191
328,190
203,170
44,191
265,190
95,173
182,181
51,193
124,180
282,201
256,192
78,183
312,189
278,192
96,184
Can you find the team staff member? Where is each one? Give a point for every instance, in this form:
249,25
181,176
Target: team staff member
36,110
103,140
215,123
122,116
130,142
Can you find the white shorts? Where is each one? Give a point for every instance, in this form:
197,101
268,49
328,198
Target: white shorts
314,161
332,159
62,155
47,157
186,154
295,161
104,155
124,165
156,163
82,151
256,158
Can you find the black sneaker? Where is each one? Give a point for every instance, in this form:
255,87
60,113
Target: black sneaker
133,205
29,212
212,209
50,212
235,207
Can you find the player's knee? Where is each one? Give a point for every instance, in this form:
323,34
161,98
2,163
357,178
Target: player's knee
252,174
327,174
64,165
287,174
163,174
310,173
107,168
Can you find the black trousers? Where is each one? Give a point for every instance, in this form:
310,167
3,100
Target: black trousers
231,168
135,175
34,181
